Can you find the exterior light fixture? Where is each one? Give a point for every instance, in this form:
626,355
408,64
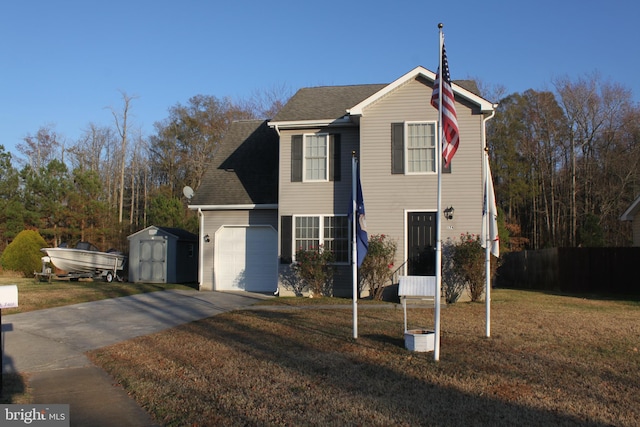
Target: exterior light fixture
207,239
448,212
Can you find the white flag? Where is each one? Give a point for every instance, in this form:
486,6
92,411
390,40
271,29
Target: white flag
490,224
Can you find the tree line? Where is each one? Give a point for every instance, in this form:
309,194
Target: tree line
565,165
113,181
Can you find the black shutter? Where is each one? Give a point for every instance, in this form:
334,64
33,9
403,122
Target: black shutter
286,241
334,157
397,148
296,158
446,169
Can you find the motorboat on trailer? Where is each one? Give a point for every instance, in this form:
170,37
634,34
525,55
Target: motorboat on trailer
86,260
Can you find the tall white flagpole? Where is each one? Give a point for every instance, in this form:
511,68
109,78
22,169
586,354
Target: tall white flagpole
488,242
436,349
354,245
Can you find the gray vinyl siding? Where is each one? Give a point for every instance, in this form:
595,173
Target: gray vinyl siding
317,198
325,198
389,196
636,230
213,220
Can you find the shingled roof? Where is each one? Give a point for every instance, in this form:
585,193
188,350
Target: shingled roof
325,102
469,85
332,102
244,170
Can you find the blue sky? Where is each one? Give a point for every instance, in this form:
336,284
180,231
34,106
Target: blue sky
64,63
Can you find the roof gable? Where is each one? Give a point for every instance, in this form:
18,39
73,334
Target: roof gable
333,105
458,89
244,170
178,233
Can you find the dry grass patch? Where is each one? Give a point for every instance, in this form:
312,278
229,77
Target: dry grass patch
34,295
552,360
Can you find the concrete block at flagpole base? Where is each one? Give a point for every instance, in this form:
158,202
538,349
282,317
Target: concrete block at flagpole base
419,340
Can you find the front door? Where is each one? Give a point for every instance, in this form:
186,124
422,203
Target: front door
421,243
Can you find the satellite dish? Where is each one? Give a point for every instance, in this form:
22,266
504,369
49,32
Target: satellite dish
188,192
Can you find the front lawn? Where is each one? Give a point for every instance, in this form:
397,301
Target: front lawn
551,360
34,295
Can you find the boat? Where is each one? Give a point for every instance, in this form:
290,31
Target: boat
86,260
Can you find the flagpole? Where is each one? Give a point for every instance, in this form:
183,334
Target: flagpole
436,349
488,243
354,246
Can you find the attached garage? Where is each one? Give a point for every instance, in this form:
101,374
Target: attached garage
237,205
246,258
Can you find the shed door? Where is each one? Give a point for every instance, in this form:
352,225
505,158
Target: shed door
153,262
421,243
246,258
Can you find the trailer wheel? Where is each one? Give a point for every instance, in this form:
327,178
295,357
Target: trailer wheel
109,277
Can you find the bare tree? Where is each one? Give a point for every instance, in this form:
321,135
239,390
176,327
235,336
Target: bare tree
90,150
491,92
186,141
265,104
597,112
122,122
41,148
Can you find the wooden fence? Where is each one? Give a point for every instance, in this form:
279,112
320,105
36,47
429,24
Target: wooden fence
599,270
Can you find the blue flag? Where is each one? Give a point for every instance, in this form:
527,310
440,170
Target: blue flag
362,240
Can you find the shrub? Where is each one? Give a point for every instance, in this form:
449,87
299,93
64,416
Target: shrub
23,254
453,281
315,269
469,261
376,270
290,280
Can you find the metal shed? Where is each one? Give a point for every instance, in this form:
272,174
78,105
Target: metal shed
163,255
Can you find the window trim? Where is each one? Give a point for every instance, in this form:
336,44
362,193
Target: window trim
321,238
406,146
326,157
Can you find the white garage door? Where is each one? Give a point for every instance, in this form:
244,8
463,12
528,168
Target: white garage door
246,258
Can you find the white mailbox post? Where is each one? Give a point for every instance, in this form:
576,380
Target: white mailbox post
8,296
8,299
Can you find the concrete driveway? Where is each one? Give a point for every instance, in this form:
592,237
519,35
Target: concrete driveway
49,346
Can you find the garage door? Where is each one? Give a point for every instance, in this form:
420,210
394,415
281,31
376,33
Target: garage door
246,258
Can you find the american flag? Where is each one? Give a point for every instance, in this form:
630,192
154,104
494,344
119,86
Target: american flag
449,117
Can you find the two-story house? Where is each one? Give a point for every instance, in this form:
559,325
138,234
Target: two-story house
285,184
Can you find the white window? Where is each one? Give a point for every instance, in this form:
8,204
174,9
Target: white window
330,232
316,157
420,146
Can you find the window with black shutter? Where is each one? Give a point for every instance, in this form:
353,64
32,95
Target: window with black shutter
415,148
315,163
